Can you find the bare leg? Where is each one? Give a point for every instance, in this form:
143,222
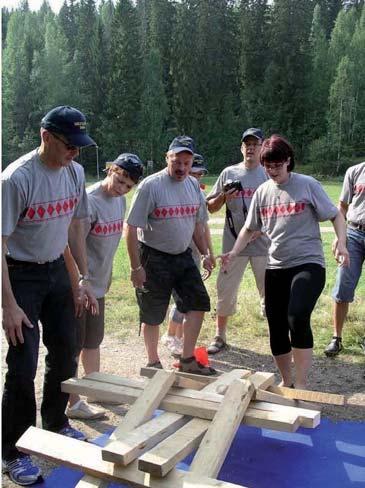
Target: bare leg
90,359
284,364
302,364
151,335
340,310
174,329
192,325
221,326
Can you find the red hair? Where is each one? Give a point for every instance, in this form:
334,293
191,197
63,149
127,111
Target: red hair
276,149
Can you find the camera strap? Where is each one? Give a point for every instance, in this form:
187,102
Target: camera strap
229,217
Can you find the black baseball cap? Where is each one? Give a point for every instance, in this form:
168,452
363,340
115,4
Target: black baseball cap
198,164
69,122
254,133
130,163
182,143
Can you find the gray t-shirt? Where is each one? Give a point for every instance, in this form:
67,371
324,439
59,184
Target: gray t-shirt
106,227
353,193
289,213
250,180
38,204
166,210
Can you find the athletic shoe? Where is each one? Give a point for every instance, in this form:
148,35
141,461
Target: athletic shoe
334,347
82,410
177,349
69,431
168,341
22,471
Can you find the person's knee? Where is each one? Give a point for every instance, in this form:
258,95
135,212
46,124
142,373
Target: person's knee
300,330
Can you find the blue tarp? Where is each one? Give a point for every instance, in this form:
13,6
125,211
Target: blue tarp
332,455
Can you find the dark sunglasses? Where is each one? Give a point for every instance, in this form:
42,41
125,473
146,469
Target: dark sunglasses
69,147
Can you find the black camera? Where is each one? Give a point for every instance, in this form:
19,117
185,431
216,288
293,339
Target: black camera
232,185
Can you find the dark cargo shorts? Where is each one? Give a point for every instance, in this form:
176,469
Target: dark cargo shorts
164,273
90,328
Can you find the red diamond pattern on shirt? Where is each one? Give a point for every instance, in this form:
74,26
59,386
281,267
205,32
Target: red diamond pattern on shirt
282,210
360,188
106,229
175,212
44,211
246,193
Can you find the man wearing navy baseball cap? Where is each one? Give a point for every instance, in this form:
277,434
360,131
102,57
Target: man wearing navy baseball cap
168,210
44,202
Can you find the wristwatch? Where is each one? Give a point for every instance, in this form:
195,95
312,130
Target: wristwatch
84,277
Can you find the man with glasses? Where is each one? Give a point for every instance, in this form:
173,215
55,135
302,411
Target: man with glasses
43,200
235,188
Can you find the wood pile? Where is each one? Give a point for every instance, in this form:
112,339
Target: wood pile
200,413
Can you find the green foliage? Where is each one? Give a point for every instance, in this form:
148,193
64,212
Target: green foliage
144,71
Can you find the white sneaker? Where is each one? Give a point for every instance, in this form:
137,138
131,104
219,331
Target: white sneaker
177,348
168,341
82,410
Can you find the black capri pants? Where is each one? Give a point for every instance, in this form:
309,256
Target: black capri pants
290,297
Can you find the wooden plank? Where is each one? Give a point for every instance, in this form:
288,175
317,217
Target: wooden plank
142,410
150,372
267,396
310,396
262,379
221,384
91,482
146,436
175,403
307,418
164,457
179,382
215,445
66,451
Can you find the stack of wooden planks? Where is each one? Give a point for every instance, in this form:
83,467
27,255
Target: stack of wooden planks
200,413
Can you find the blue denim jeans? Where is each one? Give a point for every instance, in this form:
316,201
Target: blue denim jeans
44,293
348,278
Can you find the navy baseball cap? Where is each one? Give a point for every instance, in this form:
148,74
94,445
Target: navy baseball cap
132,164
182,143
198,164
69,122
254,133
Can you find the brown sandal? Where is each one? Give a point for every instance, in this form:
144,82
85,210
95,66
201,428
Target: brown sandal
192,366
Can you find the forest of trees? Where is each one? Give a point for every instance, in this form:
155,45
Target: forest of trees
144,71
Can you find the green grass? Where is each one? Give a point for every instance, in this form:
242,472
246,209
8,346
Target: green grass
246,328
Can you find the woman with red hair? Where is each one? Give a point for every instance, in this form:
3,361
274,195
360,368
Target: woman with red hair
288,208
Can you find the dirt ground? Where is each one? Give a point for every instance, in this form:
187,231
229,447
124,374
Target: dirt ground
124,358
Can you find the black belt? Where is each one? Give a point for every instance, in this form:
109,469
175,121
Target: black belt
354,225
15,262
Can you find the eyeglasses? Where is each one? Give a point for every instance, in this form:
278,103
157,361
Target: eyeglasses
69,147
274,165
251,144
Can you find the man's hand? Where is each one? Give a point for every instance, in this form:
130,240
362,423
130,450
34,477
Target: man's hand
231,194
341,253
226,259
87,298
13,320
138,277
208,264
